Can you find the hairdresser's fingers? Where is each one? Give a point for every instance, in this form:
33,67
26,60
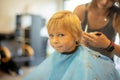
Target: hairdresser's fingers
84,42
92,39
96,41
89,37
96,32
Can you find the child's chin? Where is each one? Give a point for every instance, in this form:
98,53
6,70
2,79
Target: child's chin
60,51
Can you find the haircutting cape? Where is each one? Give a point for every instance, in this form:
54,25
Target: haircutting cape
83,64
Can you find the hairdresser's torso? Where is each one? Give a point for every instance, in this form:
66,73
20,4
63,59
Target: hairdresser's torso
95,16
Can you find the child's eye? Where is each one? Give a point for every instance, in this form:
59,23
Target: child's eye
61,35
50,35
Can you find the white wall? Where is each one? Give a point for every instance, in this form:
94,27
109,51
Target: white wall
9,8
71,4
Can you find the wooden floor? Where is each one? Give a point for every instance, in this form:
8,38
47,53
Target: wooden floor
13,76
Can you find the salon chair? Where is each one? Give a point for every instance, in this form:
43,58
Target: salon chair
13,54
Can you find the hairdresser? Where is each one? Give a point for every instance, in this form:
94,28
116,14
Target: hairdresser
100,22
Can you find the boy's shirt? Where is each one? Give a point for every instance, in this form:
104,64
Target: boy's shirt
83,64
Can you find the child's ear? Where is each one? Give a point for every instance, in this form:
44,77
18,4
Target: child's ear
77,42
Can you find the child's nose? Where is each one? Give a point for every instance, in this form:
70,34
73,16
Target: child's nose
55,40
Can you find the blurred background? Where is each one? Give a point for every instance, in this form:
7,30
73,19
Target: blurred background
23,37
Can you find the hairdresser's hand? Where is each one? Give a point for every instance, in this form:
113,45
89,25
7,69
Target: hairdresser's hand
84,42
96,39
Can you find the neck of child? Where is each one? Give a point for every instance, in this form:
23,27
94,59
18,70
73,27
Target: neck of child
71,52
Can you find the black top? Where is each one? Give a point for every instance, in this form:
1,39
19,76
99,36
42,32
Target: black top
107,30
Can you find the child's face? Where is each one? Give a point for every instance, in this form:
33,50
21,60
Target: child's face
62,40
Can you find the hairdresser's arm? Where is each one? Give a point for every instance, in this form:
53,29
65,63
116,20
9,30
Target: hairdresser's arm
100,41
80,12
116,23
117,50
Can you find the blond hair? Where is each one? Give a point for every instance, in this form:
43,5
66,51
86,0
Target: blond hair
117,22
68,21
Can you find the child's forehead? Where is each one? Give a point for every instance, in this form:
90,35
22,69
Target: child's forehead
57,29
